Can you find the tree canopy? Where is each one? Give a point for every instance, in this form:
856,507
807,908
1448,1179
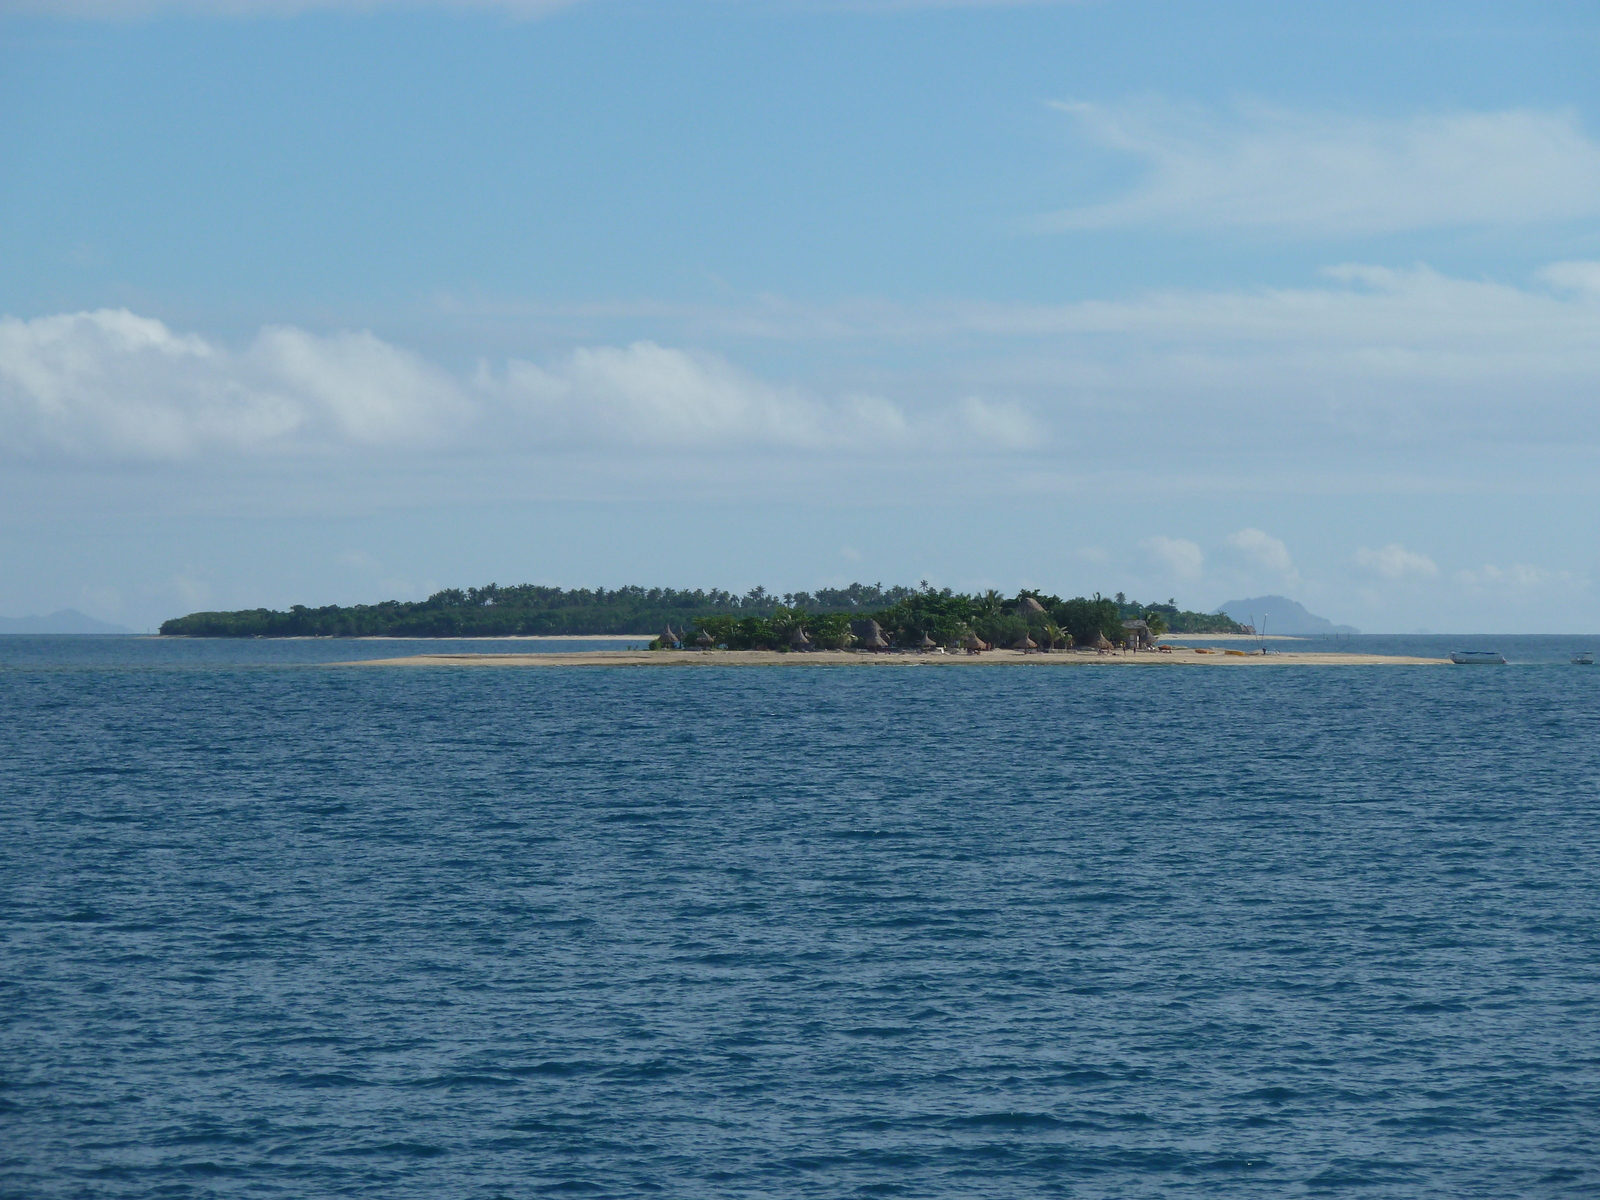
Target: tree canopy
756,618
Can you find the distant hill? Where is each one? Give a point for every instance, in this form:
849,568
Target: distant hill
66,620
1279,614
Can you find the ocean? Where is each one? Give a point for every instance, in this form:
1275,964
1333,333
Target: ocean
274,928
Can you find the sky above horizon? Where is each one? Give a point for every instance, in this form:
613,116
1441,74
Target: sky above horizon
335,302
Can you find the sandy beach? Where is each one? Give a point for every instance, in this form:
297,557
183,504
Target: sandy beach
1179,657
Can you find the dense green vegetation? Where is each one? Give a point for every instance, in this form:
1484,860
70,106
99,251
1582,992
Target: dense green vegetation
757,618
496,611
1178,621
947,617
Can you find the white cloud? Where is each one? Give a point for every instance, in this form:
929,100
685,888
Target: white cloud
1263,550
645,394
1332,174
1394,561
1404,367
1180,558
110,383
1001,423
1573,276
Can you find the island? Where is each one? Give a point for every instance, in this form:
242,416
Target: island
830,618
859,625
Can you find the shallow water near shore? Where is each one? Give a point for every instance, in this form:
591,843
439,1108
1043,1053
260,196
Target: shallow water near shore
273,929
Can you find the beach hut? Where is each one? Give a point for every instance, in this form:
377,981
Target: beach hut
927,643
704,641
1101,643
869,635
668,639
971,643
798,639
1138,634
1025,644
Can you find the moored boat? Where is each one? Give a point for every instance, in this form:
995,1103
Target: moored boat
1468,658
1585,659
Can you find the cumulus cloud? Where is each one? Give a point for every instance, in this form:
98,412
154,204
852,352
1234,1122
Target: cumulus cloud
1373,361
1262,550
1339,175
648,394
1405,356
1394,561
111,384
1178,557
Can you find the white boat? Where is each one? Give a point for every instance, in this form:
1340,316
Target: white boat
1586,659
1468,658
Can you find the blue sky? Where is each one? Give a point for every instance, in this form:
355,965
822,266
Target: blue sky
335,302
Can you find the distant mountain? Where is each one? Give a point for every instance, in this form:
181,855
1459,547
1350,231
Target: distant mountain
1279,614
66,620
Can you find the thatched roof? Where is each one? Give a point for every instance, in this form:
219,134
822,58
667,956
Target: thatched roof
798,638
704,640
1029,605
667,637
971,641
1101,643
869,634
928,643
1025,643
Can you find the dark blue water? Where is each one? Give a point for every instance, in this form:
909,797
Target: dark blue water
312,931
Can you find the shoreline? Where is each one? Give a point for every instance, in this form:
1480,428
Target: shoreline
855,658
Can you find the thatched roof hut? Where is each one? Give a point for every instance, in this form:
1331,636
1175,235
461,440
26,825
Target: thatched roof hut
972,643
704,641
1101,643
798,639
668,638
927,643
869,635
1028,605
1025,643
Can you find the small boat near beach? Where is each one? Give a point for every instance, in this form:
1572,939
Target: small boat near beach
1585,659
1475,658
